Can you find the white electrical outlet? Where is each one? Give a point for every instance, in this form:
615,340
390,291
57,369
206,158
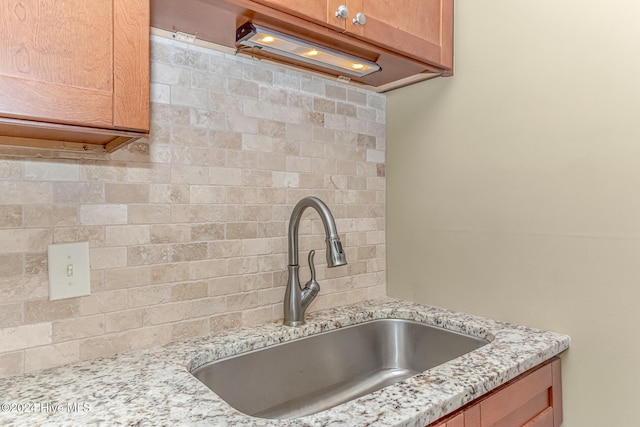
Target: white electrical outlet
69,275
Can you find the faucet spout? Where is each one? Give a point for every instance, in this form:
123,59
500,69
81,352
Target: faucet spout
335,253
296,299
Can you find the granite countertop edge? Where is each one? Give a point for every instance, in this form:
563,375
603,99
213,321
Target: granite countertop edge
154,386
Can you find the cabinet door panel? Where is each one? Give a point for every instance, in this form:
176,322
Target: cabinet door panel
544,419
131,64
532,400
314,9
472,416
521,415
30,99
57,50
415,28
457,421
517,395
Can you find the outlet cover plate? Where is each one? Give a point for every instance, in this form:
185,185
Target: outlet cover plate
69,270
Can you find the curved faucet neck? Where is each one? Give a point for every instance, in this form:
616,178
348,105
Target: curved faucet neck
294,224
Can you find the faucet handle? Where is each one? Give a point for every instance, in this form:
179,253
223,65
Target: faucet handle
311,288
312,285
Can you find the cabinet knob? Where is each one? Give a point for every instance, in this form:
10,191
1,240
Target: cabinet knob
360,19
342,12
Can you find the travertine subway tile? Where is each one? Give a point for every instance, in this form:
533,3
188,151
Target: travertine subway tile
102,302
186,252
168,193
225,249
25,336
103,346
51,355
25,192
207,232
149,214
121,278
336,92
124,320
191,213
13,364
165,313
226,321
259,213
11,169
241,230
208,306
126,193
167,273
189,290
43,310
109,257
78,192
256,281
127,235
149,337
11,315
272,162
50,216
10,216
81,327
51,171
11,265
188,329
207,194
103,214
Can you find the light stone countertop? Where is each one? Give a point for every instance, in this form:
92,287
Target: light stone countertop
154,387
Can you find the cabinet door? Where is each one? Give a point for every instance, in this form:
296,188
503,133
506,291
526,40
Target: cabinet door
420,29
313,9
58,57
532,400
56,61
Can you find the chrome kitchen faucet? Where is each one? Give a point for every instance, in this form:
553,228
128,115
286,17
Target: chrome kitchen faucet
297,299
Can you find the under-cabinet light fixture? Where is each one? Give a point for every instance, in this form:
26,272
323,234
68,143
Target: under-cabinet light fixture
281,44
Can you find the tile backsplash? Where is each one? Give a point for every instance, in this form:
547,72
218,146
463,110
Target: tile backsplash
187,229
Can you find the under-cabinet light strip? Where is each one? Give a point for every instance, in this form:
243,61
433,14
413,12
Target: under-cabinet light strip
281,44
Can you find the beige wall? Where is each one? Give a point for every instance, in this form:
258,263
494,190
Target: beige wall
187,230
514,187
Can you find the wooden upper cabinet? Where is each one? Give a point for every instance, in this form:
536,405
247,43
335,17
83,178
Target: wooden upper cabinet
56,61
76,63
411,41
422,30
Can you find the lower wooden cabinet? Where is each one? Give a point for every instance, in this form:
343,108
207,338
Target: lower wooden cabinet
534,399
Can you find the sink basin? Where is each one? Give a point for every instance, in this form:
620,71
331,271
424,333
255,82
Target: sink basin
315,373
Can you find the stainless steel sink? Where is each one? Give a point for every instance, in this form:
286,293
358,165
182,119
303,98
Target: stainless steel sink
311,374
